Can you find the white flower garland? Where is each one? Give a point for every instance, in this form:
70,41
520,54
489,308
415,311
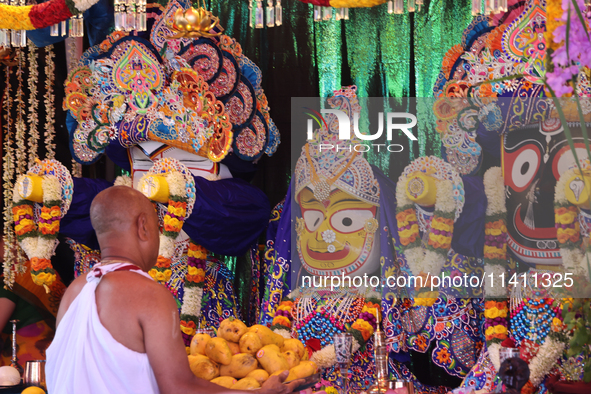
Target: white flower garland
167,247
573,259
494,354
38,246
494,190
284,333
123,180
418,259
192,301
326,357
543,362
83,5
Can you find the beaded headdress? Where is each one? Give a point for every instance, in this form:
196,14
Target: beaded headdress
199,95
322,170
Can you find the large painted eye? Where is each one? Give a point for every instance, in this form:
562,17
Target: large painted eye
521,167
313,219
350,220
565,159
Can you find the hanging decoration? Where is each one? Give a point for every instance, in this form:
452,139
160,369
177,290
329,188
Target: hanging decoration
33,118
490,7
130,15
18,16
270,16
49,133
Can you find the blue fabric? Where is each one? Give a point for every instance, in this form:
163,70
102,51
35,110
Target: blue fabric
468,236
228,216
98,23
76,224
118,154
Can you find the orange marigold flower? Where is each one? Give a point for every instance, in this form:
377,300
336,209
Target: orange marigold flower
38,264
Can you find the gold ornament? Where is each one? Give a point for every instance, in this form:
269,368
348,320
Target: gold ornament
194,23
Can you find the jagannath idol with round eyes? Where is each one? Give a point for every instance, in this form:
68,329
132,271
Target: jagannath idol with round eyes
535,224
180,124
343,209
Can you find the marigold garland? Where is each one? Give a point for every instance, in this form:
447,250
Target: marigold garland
430,260
495,324
42,15
566,217
495,232
38,240
172,225
194,283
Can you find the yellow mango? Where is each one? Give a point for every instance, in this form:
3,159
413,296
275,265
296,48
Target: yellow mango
246,384
271,359
294,345
250,343
303,370
198,344
203,367
267,336
259,374
276,373
292,358
225,381
218,350
234,347
232,329
241,365
306,355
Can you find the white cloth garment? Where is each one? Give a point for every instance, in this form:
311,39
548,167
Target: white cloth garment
85,358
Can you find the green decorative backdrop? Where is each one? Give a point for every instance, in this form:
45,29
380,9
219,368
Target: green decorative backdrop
385,55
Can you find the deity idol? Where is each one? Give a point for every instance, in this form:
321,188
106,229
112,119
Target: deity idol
520,129
342,210
180,114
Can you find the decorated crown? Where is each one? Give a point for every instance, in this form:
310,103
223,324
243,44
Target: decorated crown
203,96
323,170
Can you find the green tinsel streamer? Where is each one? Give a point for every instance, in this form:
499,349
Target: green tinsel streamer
435,32
327,37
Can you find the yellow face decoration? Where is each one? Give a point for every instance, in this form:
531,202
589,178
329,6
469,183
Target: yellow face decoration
334,236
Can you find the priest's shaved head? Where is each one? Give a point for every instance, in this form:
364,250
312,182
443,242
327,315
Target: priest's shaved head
125,223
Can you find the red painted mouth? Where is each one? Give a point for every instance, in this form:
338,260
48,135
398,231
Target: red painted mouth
535,233
324,256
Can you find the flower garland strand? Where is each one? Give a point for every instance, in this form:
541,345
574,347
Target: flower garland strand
495,324
495,258
431,260
39,240
361,330
8,168
49,102
194,283
574,259
42,15
283,320
32,83
172,225
20,127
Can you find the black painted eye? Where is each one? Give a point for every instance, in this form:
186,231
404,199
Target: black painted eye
347,222
524,168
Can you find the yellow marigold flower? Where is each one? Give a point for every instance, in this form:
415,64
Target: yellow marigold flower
188,330
500,329
489,331
491,313
192,271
